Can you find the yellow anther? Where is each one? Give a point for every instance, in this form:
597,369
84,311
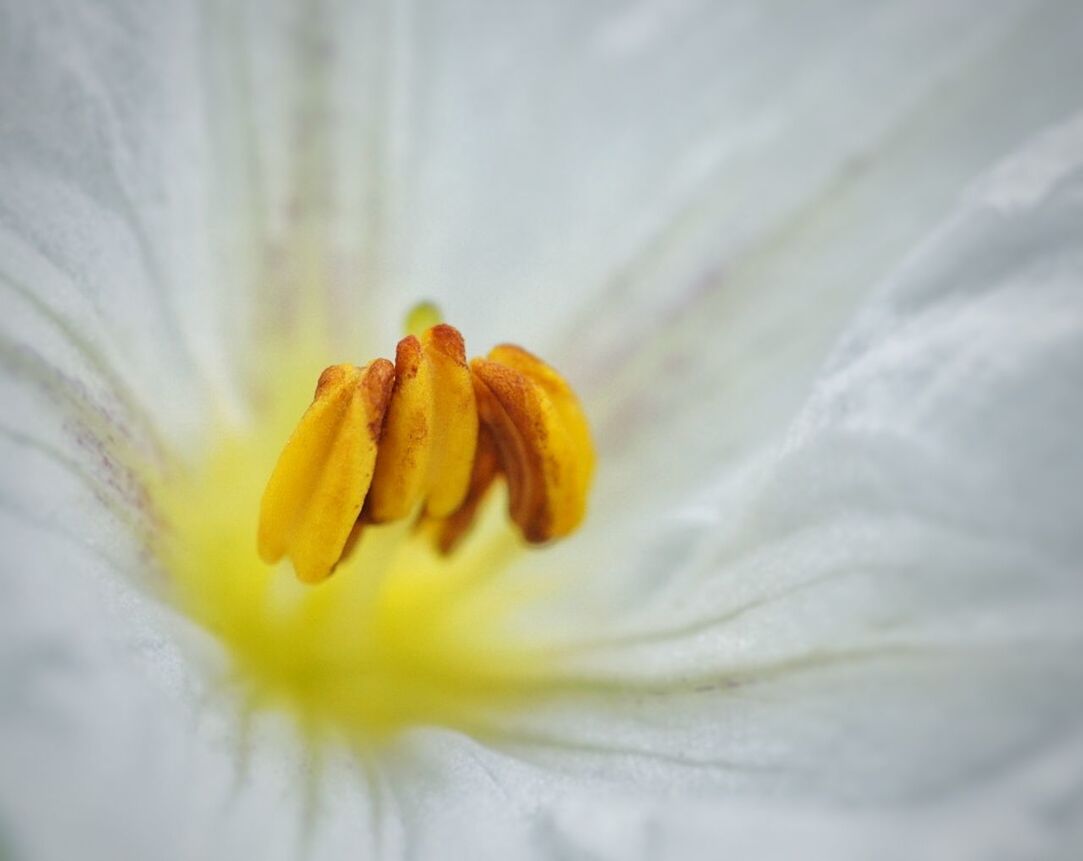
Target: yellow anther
402,465
455,431
563,399
429,434
542,439
427,447
315,493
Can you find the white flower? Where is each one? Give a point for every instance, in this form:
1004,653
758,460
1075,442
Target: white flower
828,600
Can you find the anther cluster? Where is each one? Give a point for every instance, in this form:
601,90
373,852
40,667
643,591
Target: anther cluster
426,438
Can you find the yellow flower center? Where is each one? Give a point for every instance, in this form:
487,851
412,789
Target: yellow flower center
413,483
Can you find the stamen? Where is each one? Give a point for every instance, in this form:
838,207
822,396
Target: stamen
542,439
429,434
319,484
427,447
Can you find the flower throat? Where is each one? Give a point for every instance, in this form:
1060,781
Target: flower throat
415,484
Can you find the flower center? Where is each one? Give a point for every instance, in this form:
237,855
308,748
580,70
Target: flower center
413,484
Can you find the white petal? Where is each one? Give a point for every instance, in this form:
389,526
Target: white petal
528,812
902,628
888,605
152,225
608,160
983,587
783,248
98,187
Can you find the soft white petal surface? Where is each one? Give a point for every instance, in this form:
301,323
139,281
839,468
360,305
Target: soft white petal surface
848,586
